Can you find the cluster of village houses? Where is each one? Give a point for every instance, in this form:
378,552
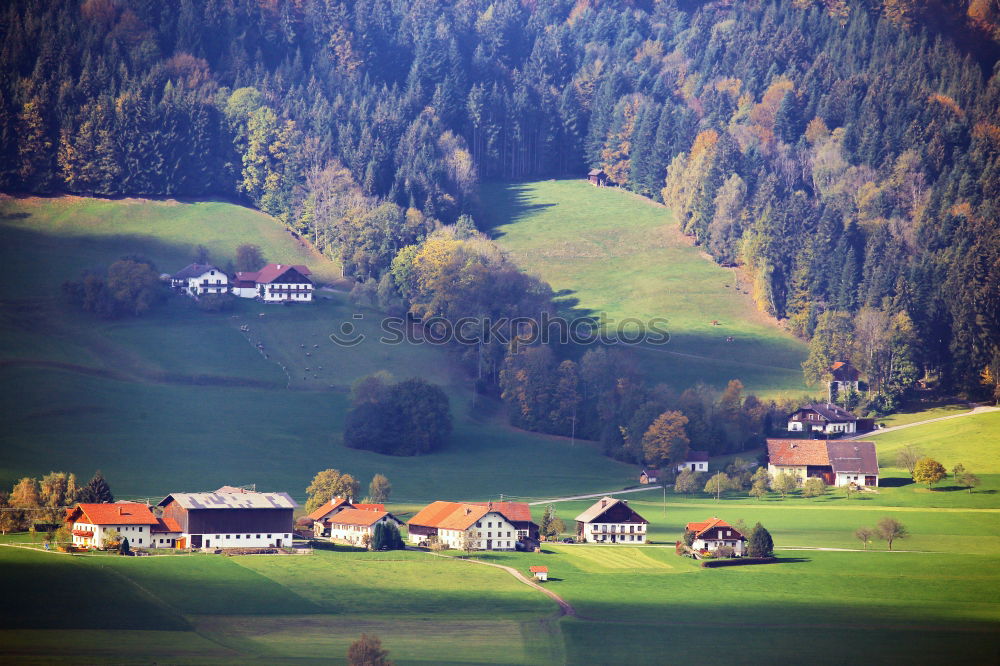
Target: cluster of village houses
274,283
239,518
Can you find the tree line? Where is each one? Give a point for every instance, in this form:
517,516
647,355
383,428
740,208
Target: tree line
44,501
846,152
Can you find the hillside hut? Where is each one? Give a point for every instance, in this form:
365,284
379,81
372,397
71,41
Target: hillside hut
597,177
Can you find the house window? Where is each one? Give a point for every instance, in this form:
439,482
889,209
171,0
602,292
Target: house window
237,536
268,536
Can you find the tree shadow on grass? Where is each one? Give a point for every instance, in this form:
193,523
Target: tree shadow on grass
895,482
791,560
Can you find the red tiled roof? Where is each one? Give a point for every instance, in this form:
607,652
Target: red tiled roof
433,513
323,511
369,507
360,517
797,452
463,517
518,512
121,513
166,525
538,569
700,528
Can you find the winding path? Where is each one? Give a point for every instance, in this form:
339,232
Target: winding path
978,409
565,608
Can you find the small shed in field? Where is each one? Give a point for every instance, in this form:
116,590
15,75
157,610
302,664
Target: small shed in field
597,177
540,573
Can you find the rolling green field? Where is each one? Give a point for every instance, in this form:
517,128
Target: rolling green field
181,399
607,251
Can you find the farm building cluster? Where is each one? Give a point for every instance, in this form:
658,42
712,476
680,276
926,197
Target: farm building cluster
274,283
227,518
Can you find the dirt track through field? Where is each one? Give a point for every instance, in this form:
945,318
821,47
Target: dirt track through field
565,608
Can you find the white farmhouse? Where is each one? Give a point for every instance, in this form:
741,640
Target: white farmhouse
200,279
611,520
353,525
826,418
457,524
93,524
713,533
696,461
275,283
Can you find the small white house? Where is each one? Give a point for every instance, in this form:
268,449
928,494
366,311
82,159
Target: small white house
696,461
611,520
714,533
93,524
539,572
200,279
275,283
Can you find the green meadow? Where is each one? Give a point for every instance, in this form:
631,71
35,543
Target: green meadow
607,251
180,399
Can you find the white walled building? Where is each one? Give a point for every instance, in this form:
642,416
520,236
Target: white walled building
696,461
275,283
611,520
230,518
92,524
200,279
352,525
453,523
715,532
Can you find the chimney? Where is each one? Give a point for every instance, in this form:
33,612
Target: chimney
468,510
604,503
121,511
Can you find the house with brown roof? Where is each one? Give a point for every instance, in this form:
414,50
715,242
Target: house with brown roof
519,515
597,177
826,418
649,475
356,526
838,463
93,524
696,461
711,534
455,524
844,378
611,520
275,283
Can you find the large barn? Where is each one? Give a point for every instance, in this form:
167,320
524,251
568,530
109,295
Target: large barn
230,518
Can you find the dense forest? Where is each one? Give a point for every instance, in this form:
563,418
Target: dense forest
845,152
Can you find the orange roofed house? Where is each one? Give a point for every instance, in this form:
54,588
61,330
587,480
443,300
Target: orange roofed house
838,463
92,524
488,525
715,532
322,517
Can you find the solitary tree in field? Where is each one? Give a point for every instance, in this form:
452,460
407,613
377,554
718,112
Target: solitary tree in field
758,490
249,258
907,457
328,484
379,489
367,651
964,478
759,542
890,529
687,482
929,471
814,487
864,535
470,540
718,484
785,483
552,525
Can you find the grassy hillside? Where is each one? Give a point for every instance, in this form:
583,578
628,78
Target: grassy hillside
611,252
973,441
179,399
